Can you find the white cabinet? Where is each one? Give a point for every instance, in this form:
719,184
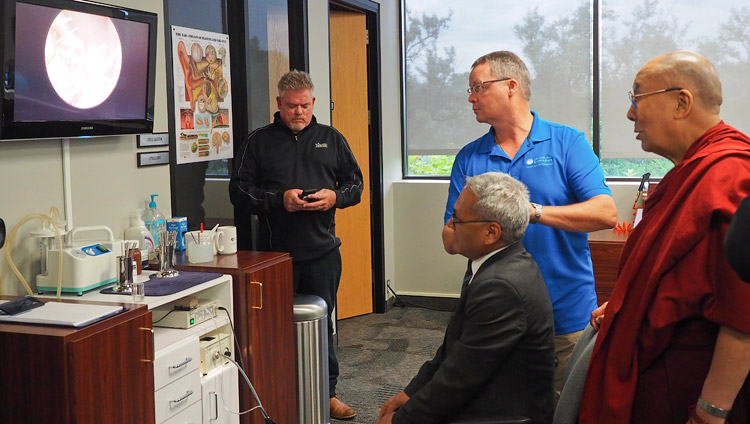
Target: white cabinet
178,381
179,385
219,396
174,361
177,396
191,415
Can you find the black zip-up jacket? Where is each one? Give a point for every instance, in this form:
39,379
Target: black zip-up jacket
273,160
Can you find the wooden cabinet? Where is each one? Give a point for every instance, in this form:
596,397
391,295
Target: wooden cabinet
175,379
606,247
264,324
102,373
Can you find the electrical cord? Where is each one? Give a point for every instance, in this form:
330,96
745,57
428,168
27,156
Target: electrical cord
267,419
223,402
234,335
165,315
402,304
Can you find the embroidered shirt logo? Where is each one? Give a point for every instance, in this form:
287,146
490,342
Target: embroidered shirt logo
539,161
321,145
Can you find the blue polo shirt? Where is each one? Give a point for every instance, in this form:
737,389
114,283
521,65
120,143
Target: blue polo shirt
559,167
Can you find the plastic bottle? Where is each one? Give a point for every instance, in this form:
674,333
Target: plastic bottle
155,222
138,231
137,261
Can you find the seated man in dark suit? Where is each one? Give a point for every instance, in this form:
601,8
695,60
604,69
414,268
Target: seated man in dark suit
497,358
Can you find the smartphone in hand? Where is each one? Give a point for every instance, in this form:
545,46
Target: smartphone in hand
305,193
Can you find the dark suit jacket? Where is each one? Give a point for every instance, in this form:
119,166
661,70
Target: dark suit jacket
497,358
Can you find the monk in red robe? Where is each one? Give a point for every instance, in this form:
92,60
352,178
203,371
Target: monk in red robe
676,331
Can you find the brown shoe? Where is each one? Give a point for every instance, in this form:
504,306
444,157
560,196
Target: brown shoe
340,410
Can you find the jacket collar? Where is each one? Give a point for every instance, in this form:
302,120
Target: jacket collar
511,249
277,121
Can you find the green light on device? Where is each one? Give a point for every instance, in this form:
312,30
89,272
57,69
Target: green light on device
192,321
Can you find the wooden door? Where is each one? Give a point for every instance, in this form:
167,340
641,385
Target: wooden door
350,117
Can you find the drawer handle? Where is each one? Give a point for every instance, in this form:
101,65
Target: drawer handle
260,285
182,364
185,396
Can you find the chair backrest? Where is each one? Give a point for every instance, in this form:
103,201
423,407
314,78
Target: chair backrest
566,411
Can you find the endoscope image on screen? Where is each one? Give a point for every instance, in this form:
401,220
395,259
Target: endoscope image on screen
78,66
83,58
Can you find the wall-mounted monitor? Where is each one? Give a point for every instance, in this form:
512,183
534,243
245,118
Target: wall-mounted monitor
76,69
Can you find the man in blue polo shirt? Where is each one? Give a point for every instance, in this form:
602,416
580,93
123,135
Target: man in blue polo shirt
568,191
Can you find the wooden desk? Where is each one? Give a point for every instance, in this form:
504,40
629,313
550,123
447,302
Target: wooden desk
264,324
102,373
606,247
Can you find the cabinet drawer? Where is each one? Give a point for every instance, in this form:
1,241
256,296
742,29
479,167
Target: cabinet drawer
192,415
175,361
177,396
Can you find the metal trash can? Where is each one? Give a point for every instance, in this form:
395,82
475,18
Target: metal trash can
311,329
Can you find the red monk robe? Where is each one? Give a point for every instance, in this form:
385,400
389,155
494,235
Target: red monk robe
674,289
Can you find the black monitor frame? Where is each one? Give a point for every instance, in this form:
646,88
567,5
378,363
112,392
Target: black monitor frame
12,129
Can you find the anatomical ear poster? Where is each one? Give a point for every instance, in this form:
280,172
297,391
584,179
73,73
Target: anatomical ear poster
202,95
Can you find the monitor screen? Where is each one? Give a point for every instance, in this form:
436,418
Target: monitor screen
77,69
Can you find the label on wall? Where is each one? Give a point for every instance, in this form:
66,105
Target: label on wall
202,95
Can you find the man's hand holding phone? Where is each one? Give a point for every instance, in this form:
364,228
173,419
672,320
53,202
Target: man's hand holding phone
293,199
305,195
321,200
310,200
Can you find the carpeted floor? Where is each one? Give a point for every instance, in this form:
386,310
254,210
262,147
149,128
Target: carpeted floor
380,353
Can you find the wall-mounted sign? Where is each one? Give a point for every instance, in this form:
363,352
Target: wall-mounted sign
150,140
202,95
153,158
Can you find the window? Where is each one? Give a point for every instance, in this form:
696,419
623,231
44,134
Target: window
635,32
556,39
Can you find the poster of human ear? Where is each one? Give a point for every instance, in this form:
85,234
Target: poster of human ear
202,95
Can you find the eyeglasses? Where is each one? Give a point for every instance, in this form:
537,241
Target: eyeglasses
634,97
455,221
479,87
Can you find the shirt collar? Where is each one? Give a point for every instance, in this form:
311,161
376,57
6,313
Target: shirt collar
538,133
477,263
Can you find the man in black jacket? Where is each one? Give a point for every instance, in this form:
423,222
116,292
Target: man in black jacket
497,358
293,174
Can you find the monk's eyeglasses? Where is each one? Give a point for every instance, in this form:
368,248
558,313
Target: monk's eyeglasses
633,97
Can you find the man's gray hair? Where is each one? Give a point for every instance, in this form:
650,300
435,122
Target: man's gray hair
502,199
505,64
295,80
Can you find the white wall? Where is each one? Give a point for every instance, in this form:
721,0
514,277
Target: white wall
105,183
422,268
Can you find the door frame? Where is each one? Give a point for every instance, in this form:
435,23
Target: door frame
371,10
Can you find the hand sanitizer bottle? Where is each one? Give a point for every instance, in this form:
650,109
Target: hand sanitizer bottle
155,222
